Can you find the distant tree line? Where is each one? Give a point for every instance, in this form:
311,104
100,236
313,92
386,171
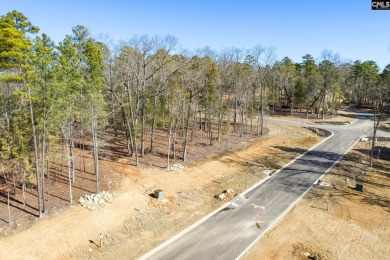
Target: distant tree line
54,96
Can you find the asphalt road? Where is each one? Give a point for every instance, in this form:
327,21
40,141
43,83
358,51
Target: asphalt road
229,232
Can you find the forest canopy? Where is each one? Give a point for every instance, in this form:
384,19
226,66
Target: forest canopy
54,97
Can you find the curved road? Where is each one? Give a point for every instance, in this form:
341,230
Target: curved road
231,231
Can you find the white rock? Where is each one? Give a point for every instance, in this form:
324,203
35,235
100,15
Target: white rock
176,167
221,196
229,191
324,184
93,200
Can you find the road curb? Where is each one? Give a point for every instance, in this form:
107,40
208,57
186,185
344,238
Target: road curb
299,199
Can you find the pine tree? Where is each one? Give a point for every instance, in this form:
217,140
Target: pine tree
15,49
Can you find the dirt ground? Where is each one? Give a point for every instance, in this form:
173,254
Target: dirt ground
343,117
338,222
134,222
114,164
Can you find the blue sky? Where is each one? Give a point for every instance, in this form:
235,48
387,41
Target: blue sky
294,28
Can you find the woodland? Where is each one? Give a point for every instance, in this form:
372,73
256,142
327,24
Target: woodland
75,94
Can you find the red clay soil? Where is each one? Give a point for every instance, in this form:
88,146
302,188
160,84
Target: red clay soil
112,150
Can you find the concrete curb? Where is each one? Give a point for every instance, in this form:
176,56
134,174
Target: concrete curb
298,200
188,229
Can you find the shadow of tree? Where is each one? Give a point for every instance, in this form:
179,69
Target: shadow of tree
291,149
17,204
351,194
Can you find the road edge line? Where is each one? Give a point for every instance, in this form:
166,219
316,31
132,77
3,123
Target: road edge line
296,201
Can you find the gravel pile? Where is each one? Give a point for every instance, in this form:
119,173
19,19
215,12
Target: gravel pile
177,167
93,201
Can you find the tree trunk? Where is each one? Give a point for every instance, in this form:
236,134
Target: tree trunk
38,180
153,123
143,128
69,172
44,208
128,132
13,183
48,179
9,210
242,123
210,127
182,118
200,119
112,118
169,145
245,116
72,155
315,100
193,123
60,172
251,124
127,121
174,140
258,120
220,118
95,152
135,123
83,150
323,106
143,114
376,124
261,111
186,129
235,113
24,189
24,193
318,109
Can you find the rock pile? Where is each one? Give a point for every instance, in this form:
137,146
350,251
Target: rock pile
177,167
93,201
227,193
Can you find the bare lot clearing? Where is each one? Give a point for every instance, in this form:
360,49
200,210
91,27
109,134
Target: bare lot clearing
337,222
343,117
135,222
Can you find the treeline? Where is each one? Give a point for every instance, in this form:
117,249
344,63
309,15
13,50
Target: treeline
54,97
